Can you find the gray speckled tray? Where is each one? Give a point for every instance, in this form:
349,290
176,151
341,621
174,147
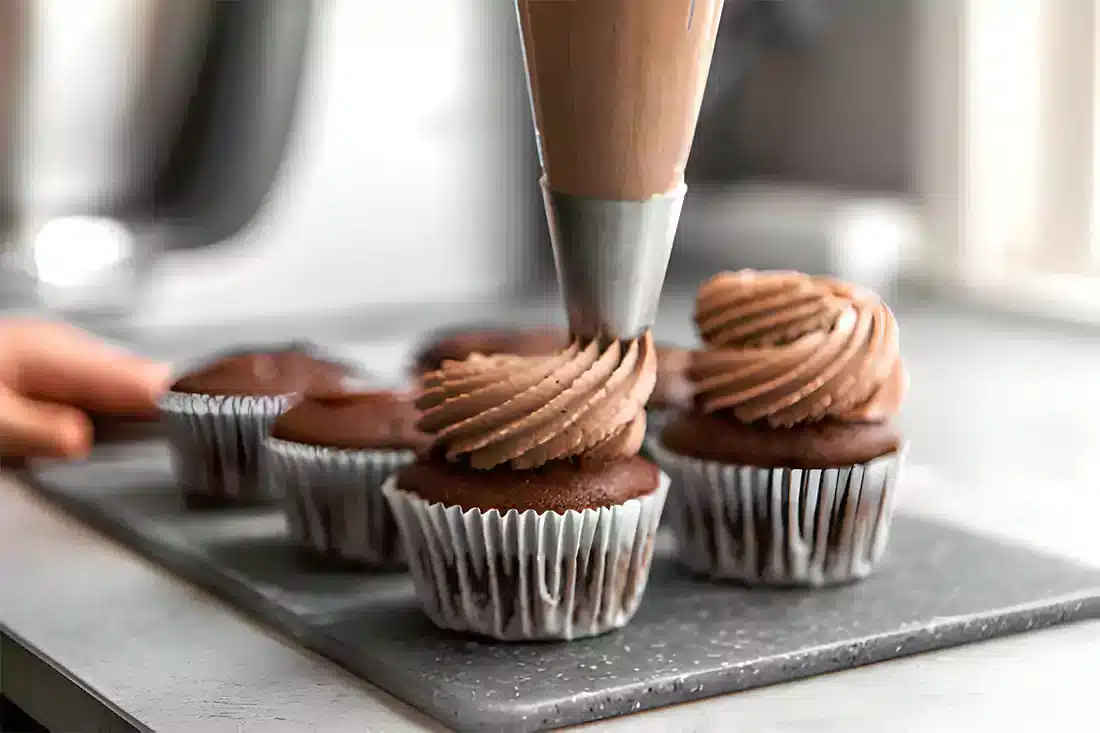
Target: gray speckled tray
691,639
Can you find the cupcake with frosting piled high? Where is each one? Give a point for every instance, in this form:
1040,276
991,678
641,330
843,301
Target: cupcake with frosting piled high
533,517
784,471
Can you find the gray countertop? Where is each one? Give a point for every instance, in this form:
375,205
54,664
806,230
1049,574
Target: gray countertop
1001,420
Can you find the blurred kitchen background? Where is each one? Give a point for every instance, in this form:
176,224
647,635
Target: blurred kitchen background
179,173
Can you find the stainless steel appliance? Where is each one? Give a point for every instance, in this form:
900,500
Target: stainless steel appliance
339,152
129,127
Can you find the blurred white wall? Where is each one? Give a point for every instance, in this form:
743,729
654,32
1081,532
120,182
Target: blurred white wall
406,179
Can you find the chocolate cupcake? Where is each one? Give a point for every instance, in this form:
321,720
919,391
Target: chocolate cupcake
784,472
216,418
328,456
533,516
457,344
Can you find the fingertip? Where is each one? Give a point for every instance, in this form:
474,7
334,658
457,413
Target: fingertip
157,377
74,436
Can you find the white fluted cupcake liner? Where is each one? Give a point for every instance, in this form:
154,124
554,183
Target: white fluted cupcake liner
780,526
216,442
526,576
334,503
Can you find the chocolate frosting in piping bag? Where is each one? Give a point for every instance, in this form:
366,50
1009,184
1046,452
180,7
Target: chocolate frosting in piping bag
588,402
788,348
616,87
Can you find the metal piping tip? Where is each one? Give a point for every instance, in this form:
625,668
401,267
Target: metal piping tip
611,258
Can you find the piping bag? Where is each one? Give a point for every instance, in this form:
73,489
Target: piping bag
615,91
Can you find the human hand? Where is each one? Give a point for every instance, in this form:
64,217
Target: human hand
52,375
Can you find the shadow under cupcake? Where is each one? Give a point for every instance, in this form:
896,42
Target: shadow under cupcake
785,471
217,416
533,518
107,428
329,456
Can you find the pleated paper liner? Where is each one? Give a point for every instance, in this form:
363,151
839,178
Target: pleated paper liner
216,443
780,526
334,503
525,576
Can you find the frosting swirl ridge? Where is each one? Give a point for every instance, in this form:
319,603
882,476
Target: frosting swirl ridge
788,348
587,401
749,308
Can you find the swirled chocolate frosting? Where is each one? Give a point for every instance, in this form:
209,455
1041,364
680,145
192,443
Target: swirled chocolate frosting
788,348
587,402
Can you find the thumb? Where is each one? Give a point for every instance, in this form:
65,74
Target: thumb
41,429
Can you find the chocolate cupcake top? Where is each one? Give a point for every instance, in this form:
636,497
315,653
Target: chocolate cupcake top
788,348
459,344
369,420
262,374
586,402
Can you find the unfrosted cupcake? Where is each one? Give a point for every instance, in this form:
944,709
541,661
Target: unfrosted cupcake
784,472
328,456
459,343
533,517
217,416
